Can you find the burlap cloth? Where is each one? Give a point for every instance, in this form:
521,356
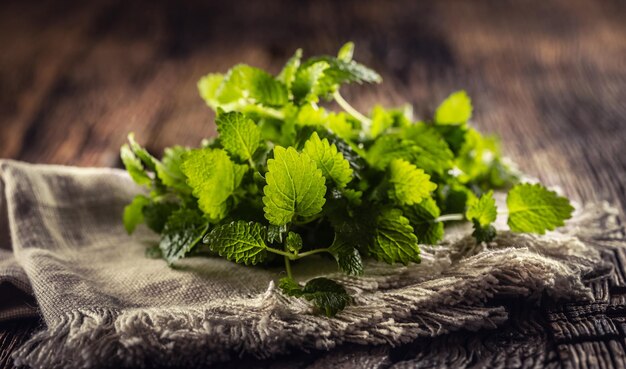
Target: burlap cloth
105,304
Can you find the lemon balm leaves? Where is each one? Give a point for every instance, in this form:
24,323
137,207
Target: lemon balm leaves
456,109
288,177
332,163
394,240
422,218
183,230
535,209
213,177
295,186
326,295
133,213
409,184
134,167
239,135
483,209
240,241
482,212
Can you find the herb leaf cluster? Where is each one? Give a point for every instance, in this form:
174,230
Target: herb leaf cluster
287,178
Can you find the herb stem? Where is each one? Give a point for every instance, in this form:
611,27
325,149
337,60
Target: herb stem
311,252
449,217
288,267
352,111
291,256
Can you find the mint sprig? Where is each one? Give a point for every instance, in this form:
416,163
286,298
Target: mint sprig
288,179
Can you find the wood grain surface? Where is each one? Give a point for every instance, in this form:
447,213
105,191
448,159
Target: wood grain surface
548,77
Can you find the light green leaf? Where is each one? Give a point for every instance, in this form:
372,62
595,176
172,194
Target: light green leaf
394,240
533,208
134,167
213,178
133,213
288,74
432,153
306,85
168,170
208,87
483,210
346,52
409,185
251,84
422,218
241,242
332,163
456,109
148,160
293,242
182,232
381,121
239,135
387,148
295,186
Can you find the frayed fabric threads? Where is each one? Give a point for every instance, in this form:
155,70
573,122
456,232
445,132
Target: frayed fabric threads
106,305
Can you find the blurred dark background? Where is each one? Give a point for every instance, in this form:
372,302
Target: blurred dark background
548,77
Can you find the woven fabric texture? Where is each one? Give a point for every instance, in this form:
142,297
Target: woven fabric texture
105,304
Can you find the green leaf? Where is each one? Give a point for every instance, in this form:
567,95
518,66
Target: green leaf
133,213
327,295
208,87
169,171
134,167
213,177
409,185
394,240
535,209
240,241
288,74
155,214
456,109
347,256
244,81
422,218
290,287
381,121
346,52
141,153
239,135
293,242
482,233
295,186
483,210
332,163
306,85
276,233
387,148
182,232
432,153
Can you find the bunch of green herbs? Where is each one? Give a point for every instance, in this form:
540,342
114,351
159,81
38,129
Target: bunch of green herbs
287,179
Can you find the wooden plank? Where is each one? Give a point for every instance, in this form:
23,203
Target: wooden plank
549,78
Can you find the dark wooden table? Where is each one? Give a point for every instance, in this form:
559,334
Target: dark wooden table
548,77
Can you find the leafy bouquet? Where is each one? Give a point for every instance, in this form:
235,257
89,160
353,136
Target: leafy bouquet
287,178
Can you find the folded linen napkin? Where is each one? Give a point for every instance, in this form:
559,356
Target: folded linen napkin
105,304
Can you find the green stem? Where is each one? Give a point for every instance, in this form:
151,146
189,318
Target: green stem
288,267
449,217
352,111
291,256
